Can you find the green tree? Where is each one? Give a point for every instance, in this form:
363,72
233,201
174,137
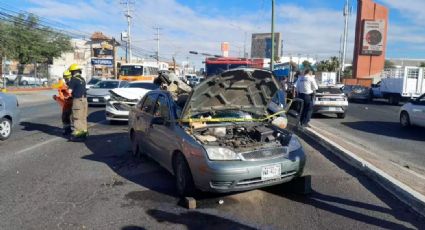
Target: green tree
422,64
28,42
388,64
330,65
307,65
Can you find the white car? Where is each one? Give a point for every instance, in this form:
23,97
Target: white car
413,113
122,99
330,100
32,80
99,93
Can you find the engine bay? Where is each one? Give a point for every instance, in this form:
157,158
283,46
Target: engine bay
243,137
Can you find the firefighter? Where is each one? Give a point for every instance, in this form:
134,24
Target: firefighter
64,99
77,86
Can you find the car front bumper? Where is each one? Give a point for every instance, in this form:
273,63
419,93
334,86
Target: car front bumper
116,111
329,109
97,100
233,176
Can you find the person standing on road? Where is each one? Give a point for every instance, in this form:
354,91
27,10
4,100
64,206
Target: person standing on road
77,86
64,99
305,87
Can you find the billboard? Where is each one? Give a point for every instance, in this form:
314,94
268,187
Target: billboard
373,37
261,46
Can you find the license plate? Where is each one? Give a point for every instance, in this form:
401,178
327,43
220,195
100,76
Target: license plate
271,172
95,99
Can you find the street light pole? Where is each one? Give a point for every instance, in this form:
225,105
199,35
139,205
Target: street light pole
272,57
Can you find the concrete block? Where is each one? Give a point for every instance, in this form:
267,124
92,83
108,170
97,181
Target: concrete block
190,203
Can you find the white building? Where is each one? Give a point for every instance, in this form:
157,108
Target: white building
81,56
297,60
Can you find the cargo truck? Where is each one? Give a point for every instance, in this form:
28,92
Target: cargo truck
400,84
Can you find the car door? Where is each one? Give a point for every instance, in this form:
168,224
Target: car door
144,119
293,113
160,131
418,111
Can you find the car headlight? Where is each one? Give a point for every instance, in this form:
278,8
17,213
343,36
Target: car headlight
221,154
107,97
294,144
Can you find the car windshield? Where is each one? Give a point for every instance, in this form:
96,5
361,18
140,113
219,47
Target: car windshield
228,115
106,85
329,90
93,81
142,85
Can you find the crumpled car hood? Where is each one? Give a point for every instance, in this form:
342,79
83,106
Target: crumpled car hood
240,89
131,93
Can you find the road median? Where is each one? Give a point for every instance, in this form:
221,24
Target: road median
395,186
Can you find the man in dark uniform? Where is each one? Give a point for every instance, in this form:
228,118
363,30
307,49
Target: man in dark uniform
77,86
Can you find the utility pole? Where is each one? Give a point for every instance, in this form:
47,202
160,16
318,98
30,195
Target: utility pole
347,13
127,14
272,57
157,44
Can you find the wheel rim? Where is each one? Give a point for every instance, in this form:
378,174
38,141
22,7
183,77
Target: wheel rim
4,128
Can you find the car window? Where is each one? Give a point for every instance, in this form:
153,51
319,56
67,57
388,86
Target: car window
123,84
161,108
149,103
106,85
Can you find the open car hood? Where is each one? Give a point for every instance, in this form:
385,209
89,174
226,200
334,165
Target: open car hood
240,89
130,93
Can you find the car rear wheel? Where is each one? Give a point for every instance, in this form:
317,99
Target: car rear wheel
24,83
184,180
340,115
5,128
404,119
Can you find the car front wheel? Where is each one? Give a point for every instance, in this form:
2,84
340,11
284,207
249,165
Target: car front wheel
341,115
404,119
184,180
5,128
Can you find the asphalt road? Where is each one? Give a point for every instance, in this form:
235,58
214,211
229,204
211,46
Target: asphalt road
376,127
49,183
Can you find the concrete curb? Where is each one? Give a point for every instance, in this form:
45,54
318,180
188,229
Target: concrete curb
401,191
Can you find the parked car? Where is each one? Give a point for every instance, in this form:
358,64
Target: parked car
357,93
32,80
218,141
99,93
9,78
123,99
330,100
9,114
413,112
93,81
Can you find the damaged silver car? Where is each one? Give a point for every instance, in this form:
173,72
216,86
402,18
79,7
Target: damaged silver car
225,138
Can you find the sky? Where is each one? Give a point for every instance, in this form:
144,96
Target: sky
309,27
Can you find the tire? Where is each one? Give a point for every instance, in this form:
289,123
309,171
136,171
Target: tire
394,99
135,147
405,120
184,180
340,115
5,128
25,83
